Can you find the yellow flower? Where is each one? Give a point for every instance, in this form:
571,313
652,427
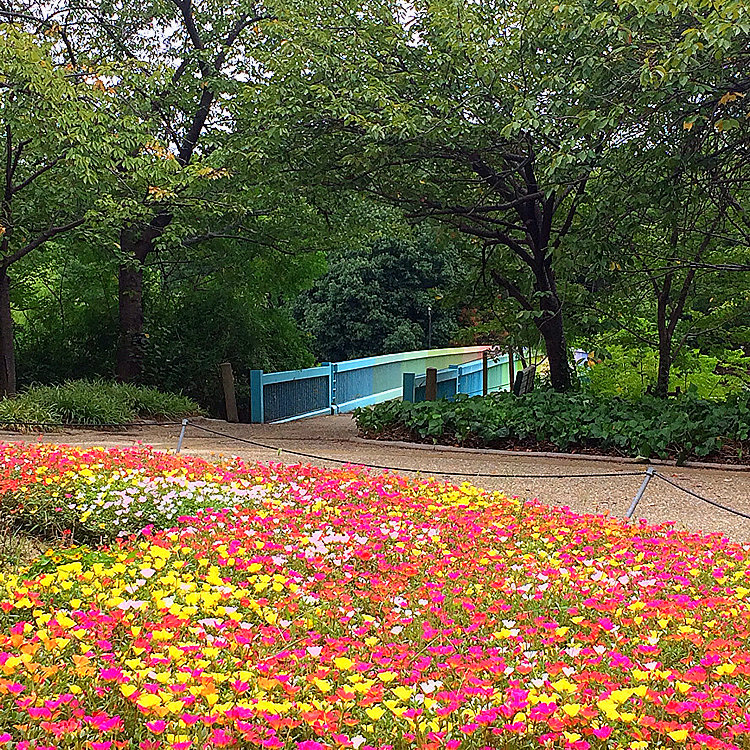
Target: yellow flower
148,700
402,693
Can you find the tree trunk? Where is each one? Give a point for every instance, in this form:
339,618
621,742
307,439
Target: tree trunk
551,328
665,347
550,325
130,349
665,365
7,353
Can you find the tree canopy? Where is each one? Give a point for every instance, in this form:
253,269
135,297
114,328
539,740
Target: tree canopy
172,161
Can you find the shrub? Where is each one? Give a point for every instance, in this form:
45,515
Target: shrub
94,402
648,426
628,372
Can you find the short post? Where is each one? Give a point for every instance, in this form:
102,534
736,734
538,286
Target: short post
641,490
256,396
408,387
485,374
430,388
182,435
227,383
511,369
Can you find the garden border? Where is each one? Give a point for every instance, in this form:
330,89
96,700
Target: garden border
553,454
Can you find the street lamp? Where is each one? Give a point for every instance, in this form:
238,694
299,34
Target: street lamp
429,326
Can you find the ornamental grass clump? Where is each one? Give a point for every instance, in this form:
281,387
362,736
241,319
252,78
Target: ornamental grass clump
92,402
316,609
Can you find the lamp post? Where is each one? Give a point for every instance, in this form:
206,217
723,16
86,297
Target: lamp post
429,326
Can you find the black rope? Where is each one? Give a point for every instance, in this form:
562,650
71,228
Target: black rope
401,468
87,425
700,497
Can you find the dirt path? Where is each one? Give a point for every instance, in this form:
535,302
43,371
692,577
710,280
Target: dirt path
335,437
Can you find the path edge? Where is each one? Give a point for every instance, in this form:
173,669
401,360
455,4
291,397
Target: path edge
551,454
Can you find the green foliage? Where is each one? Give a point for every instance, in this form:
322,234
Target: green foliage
628,372
649,426
376,298
198,315
94,402
193,331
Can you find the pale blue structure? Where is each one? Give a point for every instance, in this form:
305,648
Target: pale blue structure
465,379
337,387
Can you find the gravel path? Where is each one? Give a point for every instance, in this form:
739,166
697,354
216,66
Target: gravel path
335,437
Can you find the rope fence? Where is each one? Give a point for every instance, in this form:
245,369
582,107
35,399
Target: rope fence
649,474
86,425
400,468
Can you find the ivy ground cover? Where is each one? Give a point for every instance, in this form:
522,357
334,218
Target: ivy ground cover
294,607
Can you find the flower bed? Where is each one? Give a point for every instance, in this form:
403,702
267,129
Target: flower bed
308,608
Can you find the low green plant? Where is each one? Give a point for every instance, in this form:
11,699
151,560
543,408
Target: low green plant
93,402
628,372
648,426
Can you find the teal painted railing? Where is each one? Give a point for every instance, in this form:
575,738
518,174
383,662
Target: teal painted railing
462,379
337,387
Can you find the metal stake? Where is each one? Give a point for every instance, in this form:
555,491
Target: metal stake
182,435
641,490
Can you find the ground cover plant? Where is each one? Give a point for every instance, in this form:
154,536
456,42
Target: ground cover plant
93,402
681,428
311,608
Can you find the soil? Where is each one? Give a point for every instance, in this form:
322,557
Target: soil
334,440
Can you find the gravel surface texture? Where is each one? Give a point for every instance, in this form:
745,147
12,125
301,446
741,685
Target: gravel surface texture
336,438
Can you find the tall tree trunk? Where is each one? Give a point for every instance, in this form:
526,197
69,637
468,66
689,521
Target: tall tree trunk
665,347
551,328
7,352
130,350
550,324
137,244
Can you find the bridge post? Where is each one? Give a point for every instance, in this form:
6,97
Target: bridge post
256,396
408,387
430,388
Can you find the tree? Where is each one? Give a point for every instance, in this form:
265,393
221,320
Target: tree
486,117
669,215
53,140
492,117
384,295
176,83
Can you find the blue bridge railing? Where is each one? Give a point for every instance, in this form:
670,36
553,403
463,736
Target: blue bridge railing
462,379
337,387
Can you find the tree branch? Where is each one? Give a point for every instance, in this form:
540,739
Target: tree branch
38,173
37,241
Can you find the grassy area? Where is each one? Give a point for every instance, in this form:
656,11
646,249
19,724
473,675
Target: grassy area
679,428
93,402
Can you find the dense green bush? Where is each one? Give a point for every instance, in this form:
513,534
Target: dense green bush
94,402
648,426
385,295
